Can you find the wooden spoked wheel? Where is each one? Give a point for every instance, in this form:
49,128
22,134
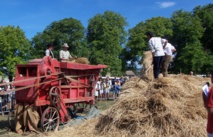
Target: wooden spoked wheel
11,119
54,95
50,119
82,107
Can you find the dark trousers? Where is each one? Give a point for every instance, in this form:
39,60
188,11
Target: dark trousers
0,106
157,65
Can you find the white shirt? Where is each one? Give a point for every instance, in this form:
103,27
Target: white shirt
156,46
108,84
168,49
65,54
97,87
47,53
205,89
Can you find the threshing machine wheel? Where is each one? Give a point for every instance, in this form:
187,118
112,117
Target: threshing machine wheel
54,94
11,119
81,107
50,119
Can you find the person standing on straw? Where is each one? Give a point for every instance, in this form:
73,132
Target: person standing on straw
168,50
156,45
209,107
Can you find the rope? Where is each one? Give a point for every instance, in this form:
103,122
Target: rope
71,79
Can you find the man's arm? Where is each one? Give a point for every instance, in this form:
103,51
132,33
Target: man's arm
165,44
70,56
151,47
173,49
164,41
47,52
60,55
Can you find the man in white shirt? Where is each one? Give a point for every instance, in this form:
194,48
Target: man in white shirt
156,45
168,50
49,52
64,53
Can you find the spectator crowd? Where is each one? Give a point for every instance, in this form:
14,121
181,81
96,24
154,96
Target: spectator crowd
6,99
107,88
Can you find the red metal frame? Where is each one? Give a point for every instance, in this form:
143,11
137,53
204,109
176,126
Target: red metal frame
79,90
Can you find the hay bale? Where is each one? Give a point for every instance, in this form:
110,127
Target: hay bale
82,61
147,69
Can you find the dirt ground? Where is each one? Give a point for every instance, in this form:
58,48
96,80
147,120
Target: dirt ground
6,132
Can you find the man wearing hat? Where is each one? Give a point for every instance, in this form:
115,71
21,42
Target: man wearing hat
64,53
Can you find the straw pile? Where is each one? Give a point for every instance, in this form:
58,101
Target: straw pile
169,106
80,60
166,107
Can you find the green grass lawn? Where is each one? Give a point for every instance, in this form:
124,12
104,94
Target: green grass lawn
104,104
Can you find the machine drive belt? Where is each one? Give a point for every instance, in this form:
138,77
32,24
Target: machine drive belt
27,79
26,87
71,79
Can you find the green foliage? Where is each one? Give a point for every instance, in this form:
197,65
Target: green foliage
192,57
15,49
137,41
105,36
205,13
184,24
160,26
190,53
69,31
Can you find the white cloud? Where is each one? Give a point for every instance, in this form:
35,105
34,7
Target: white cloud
165,4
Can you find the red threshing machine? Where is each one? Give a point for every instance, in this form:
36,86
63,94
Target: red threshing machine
52,87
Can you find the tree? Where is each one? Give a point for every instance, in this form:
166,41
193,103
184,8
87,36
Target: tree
105,36
205,13
137,41
69,31
160,26
15,49
192,57
187,31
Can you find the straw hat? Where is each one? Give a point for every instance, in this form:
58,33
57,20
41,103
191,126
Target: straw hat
65,45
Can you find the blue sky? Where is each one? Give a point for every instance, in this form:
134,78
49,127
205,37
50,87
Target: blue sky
34,15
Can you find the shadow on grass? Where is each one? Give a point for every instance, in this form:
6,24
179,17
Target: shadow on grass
4,126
